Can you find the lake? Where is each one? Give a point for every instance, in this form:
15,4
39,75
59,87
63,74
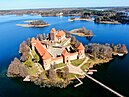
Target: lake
114,74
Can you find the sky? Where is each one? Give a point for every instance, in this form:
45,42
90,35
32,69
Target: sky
29,4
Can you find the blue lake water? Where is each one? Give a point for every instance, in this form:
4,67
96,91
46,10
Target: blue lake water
114,74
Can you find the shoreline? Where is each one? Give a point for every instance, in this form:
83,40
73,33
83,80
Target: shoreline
98,61
108,22
81,34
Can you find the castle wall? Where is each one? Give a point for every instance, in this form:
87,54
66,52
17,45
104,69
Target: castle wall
47,64
33,46
81,54
57,60
73,56
52,36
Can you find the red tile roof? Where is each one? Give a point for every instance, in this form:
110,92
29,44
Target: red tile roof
46,56
65,53
60,33
42,51
80,47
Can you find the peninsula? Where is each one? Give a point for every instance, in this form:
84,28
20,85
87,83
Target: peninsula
34,23
57,59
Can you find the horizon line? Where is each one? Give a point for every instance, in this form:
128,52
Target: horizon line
61,8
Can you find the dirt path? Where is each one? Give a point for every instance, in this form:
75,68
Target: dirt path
85,61
77,69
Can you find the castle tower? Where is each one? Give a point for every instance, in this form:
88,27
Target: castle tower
61,35
33,43
81,51
52,35
66,57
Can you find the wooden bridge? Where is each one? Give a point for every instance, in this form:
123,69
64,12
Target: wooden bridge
113,91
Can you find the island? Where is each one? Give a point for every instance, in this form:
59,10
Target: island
83,17
34,23
57,59
82,32
106,20
80,19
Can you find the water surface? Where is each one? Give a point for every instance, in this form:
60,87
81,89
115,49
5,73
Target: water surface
114,74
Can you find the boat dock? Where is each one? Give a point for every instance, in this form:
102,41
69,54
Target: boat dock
78,83
27,78
113,91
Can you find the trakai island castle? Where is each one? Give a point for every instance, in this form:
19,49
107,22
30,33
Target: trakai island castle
56,59
57,49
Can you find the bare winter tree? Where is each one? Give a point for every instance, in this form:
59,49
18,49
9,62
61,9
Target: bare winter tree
17,69
24,50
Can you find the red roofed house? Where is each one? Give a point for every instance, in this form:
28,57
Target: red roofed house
52,35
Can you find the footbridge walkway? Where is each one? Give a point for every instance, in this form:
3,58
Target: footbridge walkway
98,82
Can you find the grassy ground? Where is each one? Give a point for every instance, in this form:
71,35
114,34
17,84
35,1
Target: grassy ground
77,62
35,70
72,76
32,71
85,66
60,65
